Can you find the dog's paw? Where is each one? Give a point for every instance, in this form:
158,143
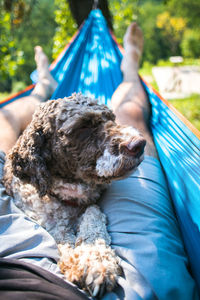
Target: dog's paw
93,268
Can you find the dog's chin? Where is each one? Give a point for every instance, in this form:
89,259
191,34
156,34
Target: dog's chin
126,171
124,174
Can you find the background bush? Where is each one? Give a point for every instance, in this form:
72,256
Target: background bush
170,27
190,44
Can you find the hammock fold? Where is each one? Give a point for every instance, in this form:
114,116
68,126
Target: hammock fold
91,64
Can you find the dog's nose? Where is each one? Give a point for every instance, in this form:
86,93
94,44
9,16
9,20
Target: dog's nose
134,147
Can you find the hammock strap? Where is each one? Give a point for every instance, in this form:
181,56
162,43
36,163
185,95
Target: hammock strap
95,4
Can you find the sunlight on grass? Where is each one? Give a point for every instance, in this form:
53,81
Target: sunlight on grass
190,108
4,95
146,72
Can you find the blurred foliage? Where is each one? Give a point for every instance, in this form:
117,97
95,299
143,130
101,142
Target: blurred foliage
190,44
18,86
155,46
65,28
162,31
170,27
189,9
21,10
124,12
38,29
4,95
35,27
10,57
190,108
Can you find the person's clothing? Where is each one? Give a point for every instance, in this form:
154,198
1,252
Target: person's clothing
28,251
24,281
145,234
143,229
21,238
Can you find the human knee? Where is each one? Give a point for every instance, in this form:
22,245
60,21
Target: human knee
8,119
131,111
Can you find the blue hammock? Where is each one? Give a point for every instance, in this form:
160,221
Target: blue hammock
91,64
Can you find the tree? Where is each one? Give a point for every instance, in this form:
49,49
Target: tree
23,25
38,29
10,57
172,29
124,12
69,15
65,26
190,44
81,8
155,45
189,9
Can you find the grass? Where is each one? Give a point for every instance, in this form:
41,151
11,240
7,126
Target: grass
189,107
4,95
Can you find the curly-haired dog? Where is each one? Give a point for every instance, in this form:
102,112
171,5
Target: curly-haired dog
61,163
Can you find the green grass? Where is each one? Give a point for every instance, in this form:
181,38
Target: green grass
3,95
190,108
146,72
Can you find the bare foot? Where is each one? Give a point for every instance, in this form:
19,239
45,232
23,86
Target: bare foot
130,102
133,45
131,88
46,83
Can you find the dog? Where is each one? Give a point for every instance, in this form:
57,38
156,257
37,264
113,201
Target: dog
56,172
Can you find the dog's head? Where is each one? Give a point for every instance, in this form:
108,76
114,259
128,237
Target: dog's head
77,141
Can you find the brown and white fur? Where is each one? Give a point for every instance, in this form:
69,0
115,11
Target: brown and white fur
56,172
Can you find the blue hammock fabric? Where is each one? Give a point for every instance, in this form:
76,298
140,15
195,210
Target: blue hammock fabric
179,152
91,65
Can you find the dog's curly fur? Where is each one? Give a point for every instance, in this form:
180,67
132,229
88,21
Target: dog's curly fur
56,173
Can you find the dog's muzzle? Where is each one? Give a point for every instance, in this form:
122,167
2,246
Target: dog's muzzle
134,147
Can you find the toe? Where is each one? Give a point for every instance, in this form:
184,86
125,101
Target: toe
133,36
38,48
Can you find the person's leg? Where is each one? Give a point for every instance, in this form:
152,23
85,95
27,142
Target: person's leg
141,219
46,84
31,243
28,256
15,116
129,102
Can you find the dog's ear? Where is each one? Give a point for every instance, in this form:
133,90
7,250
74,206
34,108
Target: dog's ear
31,152
81,119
